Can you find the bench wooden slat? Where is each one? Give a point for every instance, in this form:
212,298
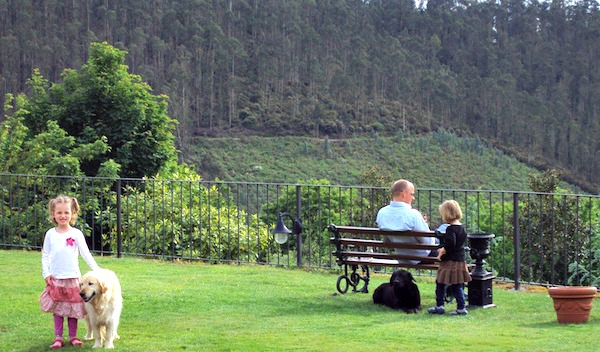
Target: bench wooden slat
385,262
379,232
384,244
389,256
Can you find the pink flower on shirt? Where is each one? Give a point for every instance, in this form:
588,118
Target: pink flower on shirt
70,241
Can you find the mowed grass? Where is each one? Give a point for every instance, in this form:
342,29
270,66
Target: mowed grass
170,306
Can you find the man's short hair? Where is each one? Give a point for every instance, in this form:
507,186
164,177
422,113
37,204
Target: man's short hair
399,187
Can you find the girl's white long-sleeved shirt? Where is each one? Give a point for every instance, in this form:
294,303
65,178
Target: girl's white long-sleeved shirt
60,254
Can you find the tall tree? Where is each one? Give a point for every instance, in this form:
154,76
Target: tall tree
104,99
100,115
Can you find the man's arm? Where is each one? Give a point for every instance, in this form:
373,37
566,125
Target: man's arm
421,225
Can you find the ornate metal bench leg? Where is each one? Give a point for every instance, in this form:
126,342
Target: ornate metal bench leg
355,278
343,282
366,277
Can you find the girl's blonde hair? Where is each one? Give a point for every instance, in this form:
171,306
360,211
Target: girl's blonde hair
67,200
450,211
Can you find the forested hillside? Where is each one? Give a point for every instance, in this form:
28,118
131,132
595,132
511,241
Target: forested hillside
438,160
522,75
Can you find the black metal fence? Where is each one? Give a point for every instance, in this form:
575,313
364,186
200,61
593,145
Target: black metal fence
539,237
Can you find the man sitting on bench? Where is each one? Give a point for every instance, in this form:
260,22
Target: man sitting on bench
400,216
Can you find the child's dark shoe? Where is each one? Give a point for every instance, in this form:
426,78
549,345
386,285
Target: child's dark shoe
459,312
436,310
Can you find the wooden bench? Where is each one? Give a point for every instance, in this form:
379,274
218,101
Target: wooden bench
364,247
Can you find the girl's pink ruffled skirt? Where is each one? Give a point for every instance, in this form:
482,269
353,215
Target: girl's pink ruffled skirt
62,298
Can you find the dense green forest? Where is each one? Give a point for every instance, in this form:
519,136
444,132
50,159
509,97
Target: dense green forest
522,75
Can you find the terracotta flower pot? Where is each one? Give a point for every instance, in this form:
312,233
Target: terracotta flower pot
573,304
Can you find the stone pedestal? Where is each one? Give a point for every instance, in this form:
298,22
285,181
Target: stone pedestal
480,292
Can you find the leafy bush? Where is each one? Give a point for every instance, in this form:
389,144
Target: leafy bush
586,275
182,217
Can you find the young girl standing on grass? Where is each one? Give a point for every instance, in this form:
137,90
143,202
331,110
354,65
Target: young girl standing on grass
453,269
60,268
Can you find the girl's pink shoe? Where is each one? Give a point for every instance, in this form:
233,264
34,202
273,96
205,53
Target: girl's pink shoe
58,343
76,342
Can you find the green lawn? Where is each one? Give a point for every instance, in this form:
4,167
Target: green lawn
198,307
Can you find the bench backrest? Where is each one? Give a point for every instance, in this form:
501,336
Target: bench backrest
377,237
364,242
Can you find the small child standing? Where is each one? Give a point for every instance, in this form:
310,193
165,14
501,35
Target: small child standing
453,269
60,268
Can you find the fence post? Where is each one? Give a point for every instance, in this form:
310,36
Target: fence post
299,236
517,240
119,236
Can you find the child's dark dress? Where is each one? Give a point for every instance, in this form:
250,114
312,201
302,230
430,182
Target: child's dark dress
453,267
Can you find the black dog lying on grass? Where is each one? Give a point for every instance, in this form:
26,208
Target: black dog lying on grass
400,293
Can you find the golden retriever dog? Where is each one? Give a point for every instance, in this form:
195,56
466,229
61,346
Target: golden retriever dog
101,292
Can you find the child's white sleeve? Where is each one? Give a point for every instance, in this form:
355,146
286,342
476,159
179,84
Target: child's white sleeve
46,248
